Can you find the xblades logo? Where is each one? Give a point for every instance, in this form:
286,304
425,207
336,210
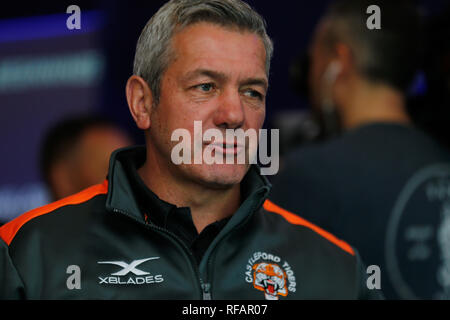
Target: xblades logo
127,268
143,277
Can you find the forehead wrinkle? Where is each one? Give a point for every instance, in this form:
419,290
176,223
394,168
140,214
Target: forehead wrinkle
262,82
217,75
222,77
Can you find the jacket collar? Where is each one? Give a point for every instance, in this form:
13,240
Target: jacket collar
121,199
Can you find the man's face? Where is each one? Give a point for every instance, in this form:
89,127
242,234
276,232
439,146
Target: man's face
93,153
87,164
217,76
319,61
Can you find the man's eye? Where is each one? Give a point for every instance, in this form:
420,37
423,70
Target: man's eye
253,94
206,87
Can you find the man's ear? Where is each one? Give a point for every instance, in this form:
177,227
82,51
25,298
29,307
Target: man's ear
345,58
140,100
61,180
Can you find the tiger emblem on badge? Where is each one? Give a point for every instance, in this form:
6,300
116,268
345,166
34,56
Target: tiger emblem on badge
271,279
270,275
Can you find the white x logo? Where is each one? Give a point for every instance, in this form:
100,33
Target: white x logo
127,268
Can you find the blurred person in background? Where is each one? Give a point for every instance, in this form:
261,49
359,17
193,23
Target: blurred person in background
380,183
75,153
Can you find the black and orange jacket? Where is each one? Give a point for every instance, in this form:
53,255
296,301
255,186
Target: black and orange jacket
97,245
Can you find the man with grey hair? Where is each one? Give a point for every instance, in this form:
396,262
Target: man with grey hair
159,230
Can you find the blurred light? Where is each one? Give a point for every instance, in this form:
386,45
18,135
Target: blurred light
419,85
83,68
15,200
48,26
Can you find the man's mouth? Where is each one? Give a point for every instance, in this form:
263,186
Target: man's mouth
227,148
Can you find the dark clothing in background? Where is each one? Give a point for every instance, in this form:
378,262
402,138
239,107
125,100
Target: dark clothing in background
383,188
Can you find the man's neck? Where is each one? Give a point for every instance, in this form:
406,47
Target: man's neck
207,205
374,103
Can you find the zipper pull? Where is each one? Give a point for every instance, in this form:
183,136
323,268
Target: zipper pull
206,291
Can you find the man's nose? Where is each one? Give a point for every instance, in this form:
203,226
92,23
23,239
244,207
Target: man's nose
230,111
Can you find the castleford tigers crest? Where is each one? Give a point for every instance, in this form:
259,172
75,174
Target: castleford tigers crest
269,274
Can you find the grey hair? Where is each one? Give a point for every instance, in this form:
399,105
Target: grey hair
154,50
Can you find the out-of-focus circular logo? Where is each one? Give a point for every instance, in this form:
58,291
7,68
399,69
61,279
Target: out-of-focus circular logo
418,237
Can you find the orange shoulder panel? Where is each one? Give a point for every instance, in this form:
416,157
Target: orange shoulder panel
294,219
9,230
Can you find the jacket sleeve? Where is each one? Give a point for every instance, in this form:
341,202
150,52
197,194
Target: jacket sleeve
11,285
368,281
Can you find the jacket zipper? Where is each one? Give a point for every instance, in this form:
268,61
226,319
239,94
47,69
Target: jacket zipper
209,268
203,286
206,287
